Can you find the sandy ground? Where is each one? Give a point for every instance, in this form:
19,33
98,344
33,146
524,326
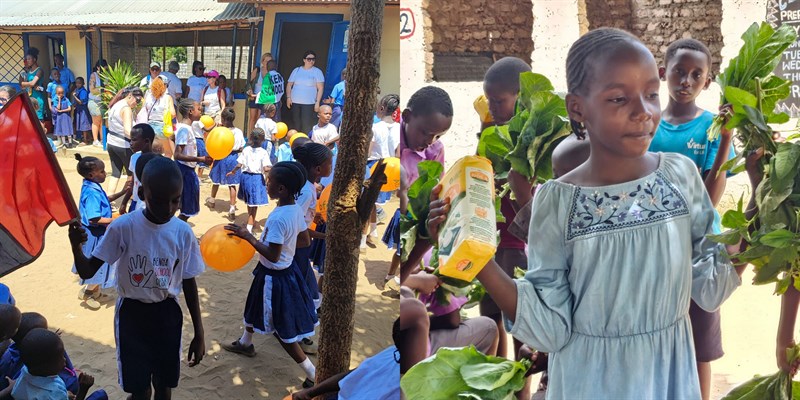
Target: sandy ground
47,286
749,317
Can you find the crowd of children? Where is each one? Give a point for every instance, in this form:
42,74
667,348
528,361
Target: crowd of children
660,319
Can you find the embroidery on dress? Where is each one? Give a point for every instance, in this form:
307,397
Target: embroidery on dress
595,211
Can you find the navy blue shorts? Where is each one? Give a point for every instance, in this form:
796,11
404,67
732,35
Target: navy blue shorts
148,344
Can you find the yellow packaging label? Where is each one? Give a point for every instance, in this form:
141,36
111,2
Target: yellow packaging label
468,239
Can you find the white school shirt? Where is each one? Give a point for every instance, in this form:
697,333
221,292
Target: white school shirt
305,82
381,136
324,134
152,260
283,225
394,138
140,205
269,126
307,200
254,160
196,85
185,137
197,130
238,139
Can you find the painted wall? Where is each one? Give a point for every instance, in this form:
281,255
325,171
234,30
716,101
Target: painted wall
390,41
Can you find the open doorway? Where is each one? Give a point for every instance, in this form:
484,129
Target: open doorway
294,34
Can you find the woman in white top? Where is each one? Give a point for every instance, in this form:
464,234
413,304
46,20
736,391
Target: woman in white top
120,122
304,92
213,99
196,82
95,91
156,102
257,78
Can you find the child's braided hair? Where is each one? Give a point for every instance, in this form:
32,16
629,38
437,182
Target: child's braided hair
290,174
86,165
580,58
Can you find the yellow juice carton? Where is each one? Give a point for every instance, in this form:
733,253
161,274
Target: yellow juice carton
468,239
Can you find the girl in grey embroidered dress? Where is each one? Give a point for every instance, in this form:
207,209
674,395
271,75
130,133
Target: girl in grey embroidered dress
617,246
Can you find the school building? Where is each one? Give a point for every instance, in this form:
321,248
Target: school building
227,35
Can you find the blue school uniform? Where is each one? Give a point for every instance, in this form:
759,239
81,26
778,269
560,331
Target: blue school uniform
11,366
307,201
94,204
62,120
392,235
51,88
278,300
5,295
377,378
83,119
284,152
691,140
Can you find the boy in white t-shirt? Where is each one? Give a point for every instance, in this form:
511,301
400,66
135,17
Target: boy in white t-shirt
155,255
324,132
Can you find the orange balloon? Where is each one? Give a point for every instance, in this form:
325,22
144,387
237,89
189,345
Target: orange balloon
392,174
295,136
223,252
219,142
282,129
322,202
115,215
207,121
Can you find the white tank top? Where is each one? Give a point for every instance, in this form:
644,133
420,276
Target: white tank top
212,98
116,130
155,107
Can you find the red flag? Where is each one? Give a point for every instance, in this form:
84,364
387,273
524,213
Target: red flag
33,191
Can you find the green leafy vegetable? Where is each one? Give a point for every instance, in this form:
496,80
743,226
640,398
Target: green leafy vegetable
773,387
464,373
749,85
526,143
419,194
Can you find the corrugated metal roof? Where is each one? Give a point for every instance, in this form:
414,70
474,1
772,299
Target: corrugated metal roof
125,12
302,2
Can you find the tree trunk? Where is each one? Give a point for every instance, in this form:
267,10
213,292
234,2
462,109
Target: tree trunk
350,205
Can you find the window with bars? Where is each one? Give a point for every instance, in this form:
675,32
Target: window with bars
11,63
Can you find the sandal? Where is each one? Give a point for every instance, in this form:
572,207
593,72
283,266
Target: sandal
92,303
308,346
236,347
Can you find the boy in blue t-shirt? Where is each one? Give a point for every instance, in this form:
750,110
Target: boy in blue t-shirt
336,101
683,130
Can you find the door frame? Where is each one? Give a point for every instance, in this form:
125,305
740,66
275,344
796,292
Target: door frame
61,35
280,18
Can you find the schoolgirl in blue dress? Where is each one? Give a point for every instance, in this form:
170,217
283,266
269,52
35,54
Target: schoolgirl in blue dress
95,210
188,158
83,119
317,160
279,302
254,162
62,120
220,168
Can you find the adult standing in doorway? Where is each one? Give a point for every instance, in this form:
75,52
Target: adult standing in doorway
32,79
156,101
304,92
121,110
175,87
95,109
67,77
196,83
256,79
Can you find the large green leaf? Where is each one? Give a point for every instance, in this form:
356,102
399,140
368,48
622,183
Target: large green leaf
740,97
778,261
419,192
444,376
115,78
784,168
773,90
759,55
530,83
777,238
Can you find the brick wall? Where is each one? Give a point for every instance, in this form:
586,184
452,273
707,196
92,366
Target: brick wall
660,22
464,27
